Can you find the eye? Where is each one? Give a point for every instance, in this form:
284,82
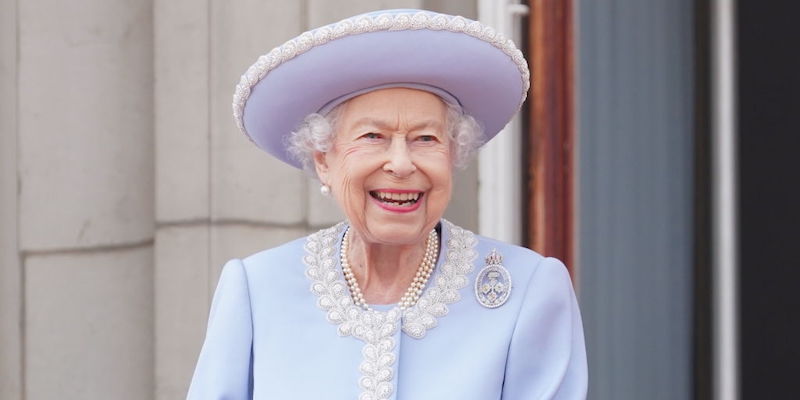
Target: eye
371,135
427,138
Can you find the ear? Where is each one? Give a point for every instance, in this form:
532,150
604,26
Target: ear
321,165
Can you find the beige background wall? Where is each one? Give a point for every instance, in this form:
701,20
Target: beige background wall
124,184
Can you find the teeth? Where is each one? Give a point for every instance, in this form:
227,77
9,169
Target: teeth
398,197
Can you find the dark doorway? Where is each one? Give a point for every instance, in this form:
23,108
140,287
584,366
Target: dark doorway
769,162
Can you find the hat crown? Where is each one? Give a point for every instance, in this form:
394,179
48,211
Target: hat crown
378,22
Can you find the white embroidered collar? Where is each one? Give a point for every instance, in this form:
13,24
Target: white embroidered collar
377,328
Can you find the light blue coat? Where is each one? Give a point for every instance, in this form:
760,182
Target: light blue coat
283,326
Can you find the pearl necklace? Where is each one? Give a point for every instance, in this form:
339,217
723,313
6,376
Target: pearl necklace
417,285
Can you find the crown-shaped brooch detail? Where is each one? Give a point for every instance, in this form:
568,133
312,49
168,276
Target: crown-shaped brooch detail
494,258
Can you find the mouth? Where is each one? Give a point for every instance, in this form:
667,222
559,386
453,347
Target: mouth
397,200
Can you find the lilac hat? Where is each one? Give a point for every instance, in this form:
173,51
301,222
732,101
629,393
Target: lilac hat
460,60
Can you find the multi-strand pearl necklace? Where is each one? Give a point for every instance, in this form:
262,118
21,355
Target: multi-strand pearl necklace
417,285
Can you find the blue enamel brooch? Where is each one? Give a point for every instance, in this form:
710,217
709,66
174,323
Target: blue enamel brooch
493,284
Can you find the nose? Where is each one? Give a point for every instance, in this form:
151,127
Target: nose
399,161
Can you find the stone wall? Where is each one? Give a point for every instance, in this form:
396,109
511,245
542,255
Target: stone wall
124,184
78,263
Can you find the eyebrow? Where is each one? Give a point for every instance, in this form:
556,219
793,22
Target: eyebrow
383,125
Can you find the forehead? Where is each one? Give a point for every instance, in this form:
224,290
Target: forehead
394,106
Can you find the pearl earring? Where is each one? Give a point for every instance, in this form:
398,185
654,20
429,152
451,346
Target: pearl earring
325,190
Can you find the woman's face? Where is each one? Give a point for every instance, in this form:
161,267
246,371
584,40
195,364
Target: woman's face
390,165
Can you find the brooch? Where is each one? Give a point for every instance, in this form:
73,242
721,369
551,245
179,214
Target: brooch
493,284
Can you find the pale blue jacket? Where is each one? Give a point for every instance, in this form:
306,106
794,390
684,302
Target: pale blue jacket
283,326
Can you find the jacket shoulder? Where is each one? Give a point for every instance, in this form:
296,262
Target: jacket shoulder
521,262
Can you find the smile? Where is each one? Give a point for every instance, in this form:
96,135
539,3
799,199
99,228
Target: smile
397,200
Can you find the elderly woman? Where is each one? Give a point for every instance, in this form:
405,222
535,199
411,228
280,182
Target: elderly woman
395,302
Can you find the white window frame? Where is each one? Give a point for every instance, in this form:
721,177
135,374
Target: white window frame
500,188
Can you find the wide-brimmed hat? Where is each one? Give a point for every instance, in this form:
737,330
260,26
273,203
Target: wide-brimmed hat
461,60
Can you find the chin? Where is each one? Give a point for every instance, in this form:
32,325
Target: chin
400,233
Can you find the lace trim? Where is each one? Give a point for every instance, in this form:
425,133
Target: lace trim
377,328
458,263
367,23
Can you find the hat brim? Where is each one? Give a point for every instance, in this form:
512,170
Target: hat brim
486,81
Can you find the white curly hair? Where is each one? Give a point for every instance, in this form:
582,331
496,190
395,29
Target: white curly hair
316,133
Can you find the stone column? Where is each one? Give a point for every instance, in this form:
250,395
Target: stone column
218,196
254,197
10,272
182,190
85,200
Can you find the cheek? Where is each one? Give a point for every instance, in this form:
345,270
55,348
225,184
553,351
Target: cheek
350,172
439,154
439,170
349,196
442,190
439,196
350,199
357,158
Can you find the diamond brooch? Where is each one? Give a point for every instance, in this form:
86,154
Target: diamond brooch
493,284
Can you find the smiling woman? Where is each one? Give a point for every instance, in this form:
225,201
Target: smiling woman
389,143
397,318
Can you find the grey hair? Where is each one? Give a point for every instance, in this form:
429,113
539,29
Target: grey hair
316,133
